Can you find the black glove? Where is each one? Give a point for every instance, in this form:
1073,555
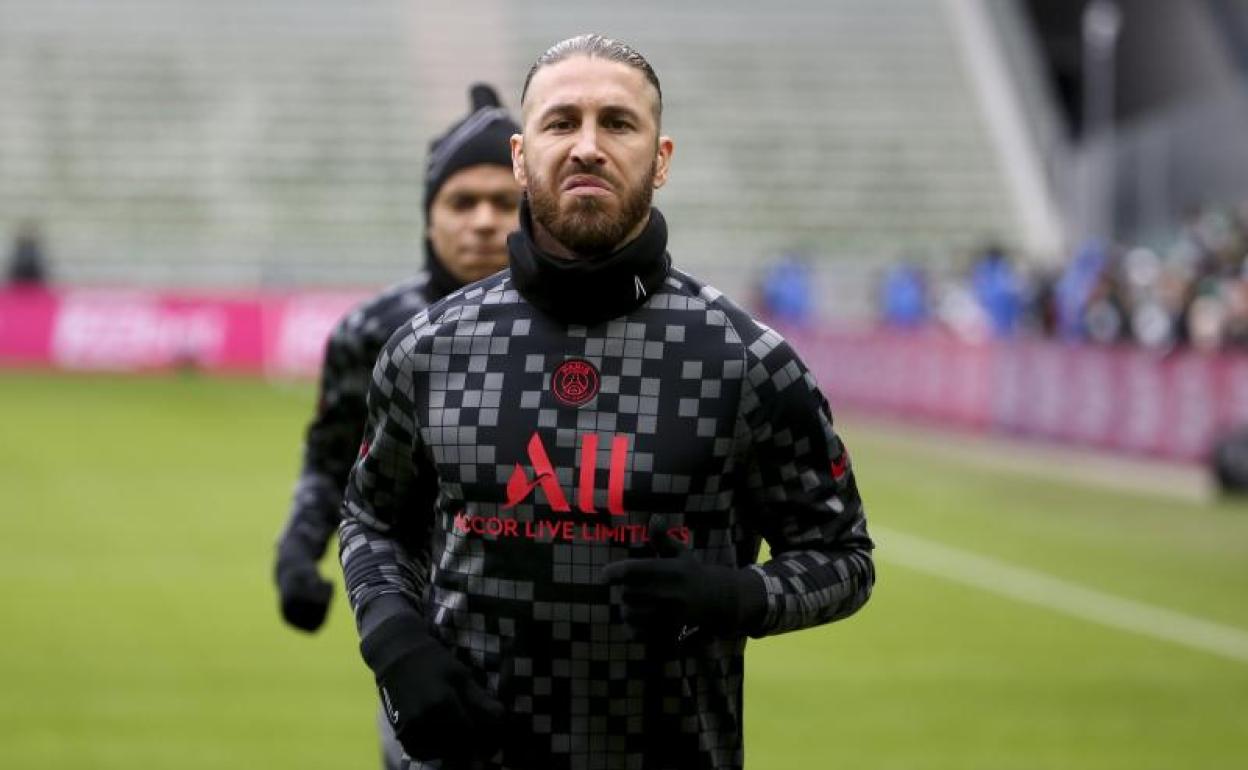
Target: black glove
675,596
303,593
430,698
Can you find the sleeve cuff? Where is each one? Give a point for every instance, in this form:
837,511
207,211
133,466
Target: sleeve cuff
382,608
392,639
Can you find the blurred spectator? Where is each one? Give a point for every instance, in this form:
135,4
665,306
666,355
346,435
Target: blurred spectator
1235,331
1040,304
1108,311
27,264
1193,292
785,290
997,289
1076,287
903,296
961,313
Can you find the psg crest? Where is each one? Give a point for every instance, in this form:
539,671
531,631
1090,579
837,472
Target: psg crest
575,382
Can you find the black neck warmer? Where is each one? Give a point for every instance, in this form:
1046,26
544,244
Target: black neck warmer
589,290
441,282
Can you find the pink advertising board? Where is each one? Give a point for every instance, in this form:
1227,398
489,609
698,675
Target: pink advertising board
135,330
1123,399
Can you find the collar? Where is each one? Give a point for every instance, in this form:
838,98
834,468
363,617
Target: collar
589,290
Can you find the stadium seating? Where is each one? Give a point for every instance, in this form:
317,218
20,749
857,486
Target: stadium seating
280,143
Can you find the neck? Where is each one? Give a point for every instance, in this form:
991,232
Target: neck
588,290
555,248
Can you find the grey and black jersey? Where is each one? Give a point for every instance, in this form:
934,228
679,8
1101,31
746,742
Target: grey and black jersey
333,437
523,452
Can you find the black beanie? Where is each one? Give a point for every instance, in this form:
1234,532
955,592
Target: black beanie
482,137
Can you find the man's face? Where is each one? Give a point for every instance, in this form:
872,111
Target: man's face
470,218
591,156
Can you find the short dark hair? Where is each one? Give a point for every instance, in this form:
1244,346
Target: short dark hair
596,46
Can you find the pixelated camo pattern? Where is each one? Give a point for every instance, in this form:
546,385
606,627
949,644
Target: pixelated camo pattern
332,440
727,435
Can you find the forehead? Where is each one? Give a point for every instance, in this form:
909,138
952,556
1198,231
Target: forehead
589,82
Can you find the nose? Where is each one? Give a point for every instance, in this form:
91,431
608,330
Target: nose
586,151
486,216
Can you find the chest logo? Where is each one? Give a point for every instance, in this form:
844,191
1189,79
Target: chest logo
520,485
575,382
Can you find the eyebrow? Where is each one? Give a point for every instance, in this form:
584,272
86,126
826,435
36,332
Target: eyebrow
624,112
569,107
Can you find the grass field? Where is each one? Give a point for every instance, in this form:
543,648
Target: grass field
1019,621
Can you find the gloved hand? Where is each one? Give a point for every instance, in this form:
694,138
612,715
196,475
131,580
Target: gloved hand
674,596
435,707
304,595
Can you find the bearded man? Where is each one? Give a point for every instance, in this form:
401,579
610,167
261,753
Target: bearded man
591,448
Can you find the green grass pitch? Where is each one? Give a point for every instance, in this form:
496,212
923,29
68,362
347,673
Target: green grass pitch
140,626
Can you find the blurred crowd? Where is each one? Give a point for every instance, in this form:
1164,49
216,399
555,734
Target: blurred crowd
27,264
1192,291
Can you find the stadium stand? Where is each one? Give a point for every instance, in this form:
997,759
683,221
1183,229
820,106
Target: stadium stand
175,142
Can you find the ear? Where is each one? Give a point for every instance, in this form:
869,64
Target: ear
663,162
517,160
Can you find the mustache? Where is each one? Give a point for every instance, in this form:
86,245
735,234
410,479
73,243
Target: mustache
577,168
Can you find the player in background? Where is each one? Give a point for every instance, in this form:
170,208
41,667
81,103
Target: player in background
471,199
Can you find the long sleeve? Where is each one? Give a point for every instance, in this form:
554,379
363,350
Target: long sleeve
802,495
330,444
387,508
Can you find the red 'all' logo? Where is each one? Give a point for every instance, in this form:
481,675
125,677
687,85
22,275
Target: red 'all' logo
520,486
575,382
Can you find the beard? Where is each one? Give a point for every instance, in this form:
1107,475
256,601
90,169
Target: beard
589,225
